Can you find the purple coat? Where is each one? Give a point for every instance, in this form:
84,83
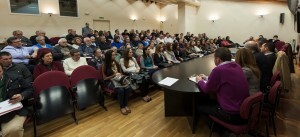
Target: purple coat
230,85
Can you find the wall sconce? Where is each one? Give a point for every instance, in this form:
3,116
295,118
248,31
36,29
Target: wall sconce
261,15
162,22
50,14
213,20
133,20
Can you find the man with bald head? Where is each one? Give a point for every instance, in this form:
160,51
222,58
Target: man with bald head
262,63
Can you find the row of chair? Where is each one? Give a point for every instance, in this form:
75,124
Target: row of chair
56,95
255,107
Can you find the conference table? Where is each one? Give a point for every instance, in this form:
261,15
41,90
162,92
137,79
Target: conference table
180,98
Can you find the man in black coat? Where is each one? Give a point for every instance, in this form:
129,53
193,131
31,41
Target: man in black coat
14,89
14,69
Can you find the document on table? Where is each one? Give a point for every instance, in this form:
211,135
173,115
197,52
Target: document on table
193,78
168,81
6,107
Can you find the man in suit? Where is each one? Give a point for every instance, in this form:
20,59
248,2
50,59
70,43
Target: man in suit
268,49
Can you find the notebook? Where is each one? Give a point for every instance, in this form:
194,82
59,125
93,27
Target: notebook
6,107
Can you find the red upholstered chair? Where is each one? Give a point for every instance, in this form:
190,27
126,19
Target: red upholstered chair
275,77
54,40
106,90
52,97
269,110
250,110
86,86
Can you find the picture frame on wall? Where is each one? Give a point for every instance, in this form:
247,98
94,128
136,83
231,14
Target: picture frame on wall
30,7
68,8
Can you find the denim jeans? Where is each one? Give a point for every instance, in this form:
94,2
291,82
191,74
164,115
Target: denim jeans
123,95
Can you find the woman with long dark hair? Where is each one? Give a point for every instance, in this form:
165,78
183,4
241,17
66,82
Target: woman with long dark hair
246,60
130,66
111,70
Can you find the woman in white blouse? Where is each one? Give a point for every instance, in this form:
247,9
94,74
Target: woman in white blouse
169,54
130,66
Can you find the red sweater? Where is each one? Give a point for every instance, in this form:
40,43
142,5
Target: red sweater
42,68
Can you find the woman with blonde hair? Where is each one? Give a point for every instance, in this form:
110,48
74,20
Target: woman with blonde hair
246,60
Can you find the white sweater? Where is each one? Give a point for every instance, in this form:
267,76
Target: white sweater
70,65
132,66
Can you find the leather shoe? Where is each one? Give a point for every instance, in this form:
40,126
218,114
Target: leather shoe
123,111
128,110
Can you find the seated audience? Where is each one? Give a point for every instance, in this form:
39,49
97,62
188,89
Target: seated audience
86,49
20,54
268,49
262,63
246,60
34,41
94,42
169,54
77,41
70,37
159,58
46,63
62,50
41,43
136,41
14,69
275,39
15,89
111,72
97,59
75,61
177,51
195,49
145,41
160,39
117,43
117,33
230,91
139,50
103,44
168,38
118,56
131,67
146,61
152,47
19,35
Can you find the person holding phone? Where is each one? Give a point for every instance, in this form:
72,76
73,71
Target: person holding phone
15,89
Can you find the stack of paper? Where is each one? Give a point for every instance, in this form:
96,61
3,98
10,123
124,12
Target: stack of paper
6,107
193,78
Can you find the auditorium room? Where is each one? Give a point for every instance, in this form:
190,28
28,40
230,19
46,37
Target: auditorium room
149,68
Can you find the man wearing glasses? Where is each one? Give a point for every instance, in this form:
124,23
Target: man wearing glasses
19,53
25,41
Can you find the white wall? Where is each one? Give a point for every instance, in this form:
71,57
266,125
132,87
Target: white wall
241,20
236,19
169,13
119,12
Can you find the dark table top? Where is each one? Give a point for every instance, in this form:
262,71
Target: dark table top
182,71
